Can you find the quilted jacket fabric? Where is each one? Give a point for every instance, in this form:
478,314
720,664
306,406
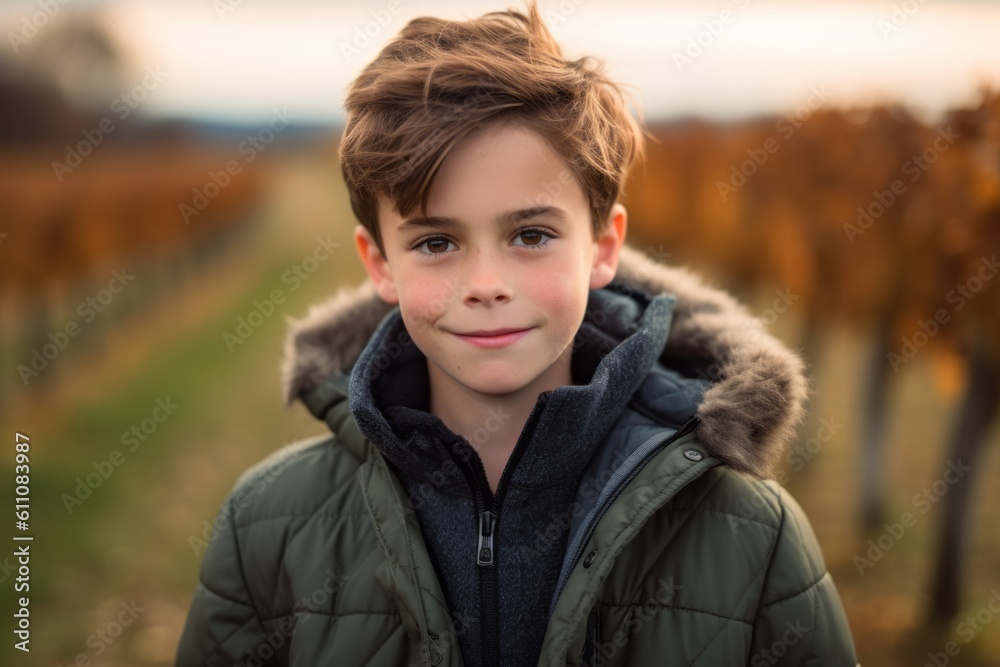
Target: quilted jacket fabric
678,550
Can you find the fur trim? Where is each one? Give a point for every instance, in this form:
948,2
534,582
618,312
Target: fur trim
748,414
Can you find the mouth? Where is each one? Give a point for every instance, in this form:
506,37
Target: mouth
494,338
494,332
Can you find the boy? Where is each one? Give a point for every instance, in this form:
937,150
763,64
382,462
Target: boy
547,450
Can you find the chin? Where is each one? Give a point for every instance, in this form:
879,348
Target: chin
495,381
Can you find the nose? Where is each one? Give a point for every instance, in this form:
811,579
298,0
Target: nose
485,281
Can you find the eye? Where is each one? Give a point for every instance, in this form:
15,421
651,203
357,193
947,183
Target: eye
533,237
437,245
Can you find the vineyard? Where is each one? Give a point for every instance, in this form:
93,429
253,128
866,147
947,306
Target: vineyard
867,239
69,241
870,220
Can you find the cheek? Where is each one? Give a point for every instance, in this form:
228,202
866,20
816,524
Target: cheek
423,300
562,290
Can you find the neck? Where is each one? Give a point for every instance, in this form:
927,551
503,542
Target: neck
492,423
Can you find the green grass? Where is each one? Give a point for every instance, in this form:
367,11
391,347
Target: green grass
199,373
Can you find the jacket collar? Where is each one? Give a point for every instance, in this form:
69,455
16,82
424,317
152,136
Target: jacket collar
747,414
619,341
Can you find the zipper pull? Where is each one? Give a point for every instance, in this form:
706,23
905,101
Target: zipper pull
485,554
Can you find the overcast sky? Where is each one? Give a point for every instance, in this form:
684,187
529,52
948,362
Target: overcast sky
236,60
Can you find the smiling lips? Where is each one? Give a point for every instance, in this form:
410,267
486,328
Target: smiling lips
494,338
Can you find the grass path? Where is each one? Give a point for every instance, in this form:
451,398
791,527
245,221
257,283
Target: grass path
129,539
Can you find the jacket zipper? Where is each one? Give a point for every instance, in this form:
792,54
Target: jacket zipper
484,556
589,529
487,518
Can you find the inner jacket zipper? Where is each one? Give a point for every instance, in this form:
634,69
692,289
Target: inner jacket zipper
487,515
588,529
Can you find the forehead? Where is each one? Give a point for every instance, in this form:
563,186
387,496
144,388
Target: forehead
497,169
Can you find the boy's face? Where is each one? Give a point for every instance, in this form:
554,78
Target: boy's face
479,271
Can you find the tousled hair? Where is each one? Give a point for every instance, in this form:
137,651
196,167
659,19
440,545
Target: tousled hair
439,80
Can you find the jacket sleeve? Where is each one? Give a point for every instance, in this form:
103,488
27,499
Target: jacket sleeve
800,619
222,626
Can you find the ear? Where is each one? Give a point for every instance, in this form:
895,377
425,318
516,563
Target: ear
607,247
376,264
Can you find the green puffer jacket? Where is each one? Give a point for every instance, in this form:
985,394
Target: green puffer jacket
692,556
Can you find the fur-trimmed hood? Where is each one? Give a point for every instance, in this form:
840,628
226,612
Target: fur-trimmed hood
747,415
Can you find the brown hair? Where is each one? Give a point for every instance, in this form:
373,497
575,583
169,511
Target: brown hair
439,80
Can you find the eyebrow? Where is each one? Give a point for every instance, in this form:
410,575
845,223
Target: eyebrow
503,220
